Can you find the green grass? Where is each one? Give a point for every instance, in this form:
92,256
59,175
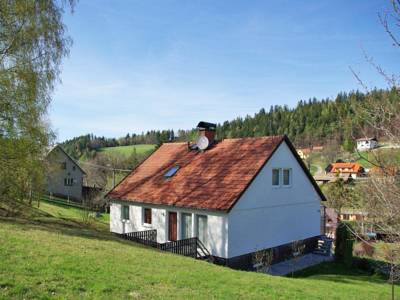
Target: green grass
313,169
59,200
127,150
364,158
368,158
59,212
60,260
66,211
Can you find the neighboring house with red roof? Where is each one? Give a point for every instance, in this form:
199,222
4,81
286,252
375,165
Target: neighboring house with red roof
236,195
346,169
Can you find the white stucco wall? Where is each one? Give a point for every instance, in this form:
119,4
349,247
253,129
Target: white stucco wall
268,216
56,175
366,145
217,224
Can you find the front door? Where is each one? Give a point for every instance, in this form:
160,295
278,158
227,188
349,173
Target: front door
172,226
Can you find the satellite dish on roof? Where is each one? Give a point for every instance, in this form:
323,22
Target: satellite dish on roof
202,142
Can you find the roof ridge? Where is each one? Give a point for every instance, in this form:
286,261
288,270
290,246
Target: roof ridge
174,143
234,139
255,137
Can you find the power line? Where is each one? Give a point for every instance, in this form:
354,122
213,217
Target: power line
103,167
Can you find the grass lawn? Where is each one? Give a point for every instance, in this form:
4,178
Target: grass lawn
65,211
313,169
58,214
127,150
57,258
364,158
388,155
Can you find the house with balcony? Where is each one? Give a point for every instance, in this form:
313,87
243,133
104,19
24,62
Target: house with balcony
345,170
236,196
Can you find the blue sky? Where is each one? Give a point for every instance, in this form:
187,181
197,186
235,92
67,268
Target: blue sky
139,65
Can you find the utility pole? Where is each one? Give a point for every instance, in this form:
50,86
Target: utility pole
113,177
113,174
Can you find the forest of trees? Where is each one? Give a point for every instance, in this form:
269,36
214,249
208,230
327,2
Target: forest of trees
309,123
88,144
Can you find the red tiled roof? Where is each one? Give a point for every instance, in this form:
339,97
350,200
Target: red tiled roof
213,179
346,167
367,139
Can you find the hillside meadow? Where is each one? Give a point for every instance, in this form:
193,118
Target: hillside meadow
55,256
128,150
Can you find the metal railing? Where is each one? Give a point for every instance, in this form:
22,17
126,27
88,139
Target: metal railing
191,247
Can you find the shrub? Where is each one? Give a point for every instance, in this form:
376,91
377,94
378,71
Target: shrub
363,264
344,244
364,249
348,252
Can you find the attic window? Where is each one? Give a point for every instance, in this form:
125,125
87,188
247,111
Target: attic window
171,172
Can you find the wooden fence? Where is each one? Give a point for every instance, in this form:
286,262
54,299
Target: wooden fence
186,247
147,237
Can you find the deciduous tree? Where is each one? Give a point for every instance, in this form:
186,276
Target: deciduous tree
33,41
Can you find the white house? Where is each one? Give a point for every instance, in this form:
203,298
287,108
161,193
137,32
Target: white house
237,196
365,144
64,175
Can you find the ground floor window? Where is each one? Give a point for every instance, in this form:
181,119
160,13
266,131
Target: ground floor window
125,212
186,221
147,215
202,228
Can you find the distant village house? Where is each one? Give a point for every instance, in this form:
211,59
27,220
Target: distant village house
64,175
347,171
365,144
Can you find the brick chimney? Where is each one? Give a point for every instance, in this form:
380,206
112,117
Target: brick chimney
208,130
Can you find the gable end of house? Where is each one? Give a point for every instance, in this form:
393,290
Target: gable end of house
299,161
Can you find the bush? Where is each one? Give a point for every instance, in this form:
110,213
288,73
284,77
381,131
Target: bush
348,252
363,264
344,244
364,249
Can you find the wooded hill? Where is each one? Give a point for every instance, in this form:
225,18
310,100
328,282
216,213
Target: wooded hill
316,121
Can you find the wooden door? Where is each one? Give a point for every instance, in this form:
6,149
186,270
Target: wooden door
172,226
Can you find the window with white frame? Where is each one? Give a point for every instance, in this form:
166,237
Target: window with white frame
202,228
68,181
186,228
125,212
275,177
287,177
